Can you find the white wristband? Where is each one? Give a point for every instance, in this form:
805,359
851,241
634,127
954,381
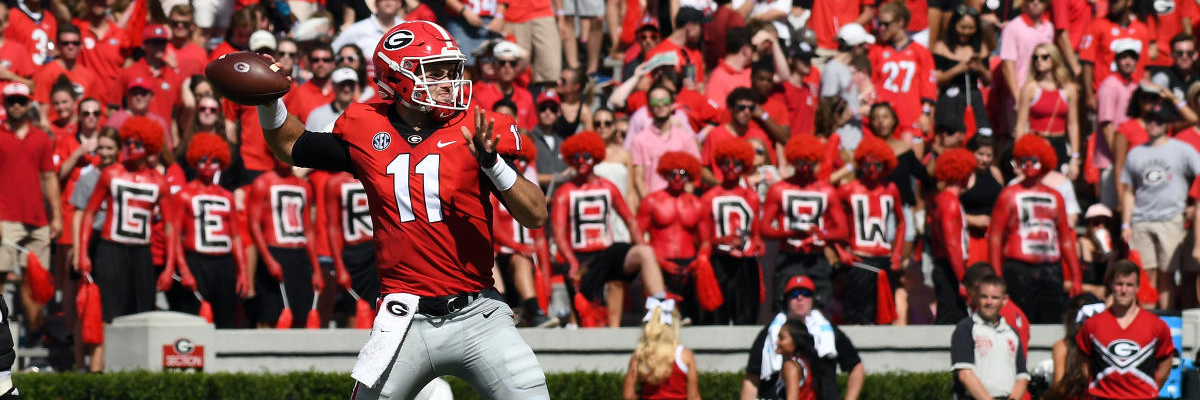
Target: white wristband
272,115
502,175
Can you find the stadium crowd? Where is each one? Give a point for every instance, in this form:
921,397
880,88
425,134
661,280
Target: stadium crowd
733,155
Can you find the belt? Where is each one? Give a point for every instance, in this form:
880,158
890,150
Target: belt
445,305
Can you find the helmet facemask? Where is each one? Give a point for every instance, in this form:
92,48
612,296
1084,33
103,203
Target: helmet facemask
422,97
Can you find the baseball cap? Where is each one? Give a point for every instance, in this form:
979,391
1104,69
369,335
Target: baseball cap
801,50
1126,45
798,282
16,89
262,39
647,22
139,82
154,32
548,96
508,50
1097,210
344,74
687,15
854,34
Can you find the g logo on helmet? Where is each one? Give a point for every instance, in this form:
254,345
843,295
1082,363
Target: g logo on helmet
397,308
398,40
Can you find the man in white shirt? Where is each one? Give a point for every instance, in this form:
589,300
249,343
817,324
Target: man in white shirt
345,90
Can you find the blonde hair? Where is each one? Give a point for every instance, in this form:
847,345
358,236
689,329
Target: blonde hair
655,352
1058,69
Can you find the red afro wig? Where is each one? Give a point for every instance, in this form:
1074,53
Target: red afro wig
955,165
673,160
1038,147
208,144
737,149
508,147
804,147
876,147
145,130
584,142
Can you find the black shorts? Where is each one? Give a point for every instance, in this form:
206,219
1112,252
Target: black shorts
297,279
216,280
600,267
125,275
364,275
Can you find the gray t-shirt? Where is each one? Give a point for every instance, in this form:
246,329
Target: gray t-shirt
1160,177
838,80
83,192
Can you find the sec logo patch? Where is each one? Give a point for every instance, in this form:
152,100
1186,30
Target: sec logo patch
381,141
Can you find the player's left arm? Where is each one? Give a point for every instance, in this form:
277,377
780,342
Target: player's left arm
524,199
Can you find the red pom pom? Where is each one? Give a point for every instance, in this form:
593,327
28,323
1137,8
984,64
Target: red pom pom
673,160
285,319
91,313
885,304
41,284
591,315
708,291
804,147
145,130
206,311
584,142
871,146
955,165
737,149
364,316
208,144
314,320
1038,147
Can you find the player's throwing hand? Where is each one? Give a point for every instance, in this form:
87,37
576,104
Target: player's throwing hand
483,146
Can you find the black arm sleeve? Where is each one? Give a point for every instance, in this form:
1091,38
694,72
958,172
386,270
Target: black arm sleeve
322,151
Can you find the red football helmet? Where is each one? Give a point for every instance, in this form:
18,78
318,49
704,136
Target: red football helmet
401,59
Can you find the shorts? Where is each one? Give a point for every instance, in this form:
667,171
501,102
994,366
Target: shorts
684,286
479,344
297,279
1157,242
600,267
1187,263
125,275
539,37
212,13
583,8
33,238
740,279
364,275
216,280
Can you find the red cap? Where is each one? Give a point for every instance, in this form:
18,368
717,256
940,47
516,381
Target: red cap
548,95
154,32
139,82
799,282
648,21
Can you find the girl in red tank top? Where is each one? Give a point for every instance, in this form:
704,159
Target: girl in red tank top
660,366
1047,106
796,378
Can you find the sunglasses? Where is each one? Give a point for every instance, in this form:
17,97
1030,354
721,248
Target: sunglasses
347,59
605,124
760,151
648,36
799,292
90,113
315,60
884,24
507,63
208,109
1042,57
65,43
582,157
743,107
677,174
1186,53
290,54
17,100
548,107
181,24
659,102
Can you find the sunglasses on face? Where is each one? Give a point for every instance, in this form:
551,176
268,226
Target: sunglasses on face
548,107
1185,53
181,23
208,110
347,59
885,24
1023,160
316,60
289,54
90,113
760,151
17,100
659,102
65,43
743,107
648,36
507,63
582,158
677,174
873,164
605,124
1041,57
799,292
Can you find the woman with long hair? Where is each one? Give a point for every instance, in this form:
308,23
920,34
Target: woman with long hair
1048,106
1070,372
980,196
615,167
574,90
800,363
660,366
61,118
832,113
961,59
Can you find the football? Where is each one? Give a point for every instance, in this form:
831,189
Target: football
247,78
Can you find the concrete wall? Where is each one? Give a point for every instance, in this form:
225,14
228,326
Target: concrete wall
135,342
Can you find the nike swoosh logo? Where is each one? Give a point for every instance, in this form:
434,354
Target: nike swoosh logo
442,144
488,314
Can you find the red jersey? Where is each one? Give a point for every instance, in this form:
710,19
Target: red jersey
1072,16
1124,359
876,218
482,8
15,58
34,30
189,59
507,231
801,105
347,208
729,212
919,9
672,222
86,82
672,388
903,78
428,198
699,109
799,208
302,99
487,94
282,205
583,212
1167,22
1030,225
130,198
64,147
22,163
208,222
1101,38
948,230
165,85
829,15
105,55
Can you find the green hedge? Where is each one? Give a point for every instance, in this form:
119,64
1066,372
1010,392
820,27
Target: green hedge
315,385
